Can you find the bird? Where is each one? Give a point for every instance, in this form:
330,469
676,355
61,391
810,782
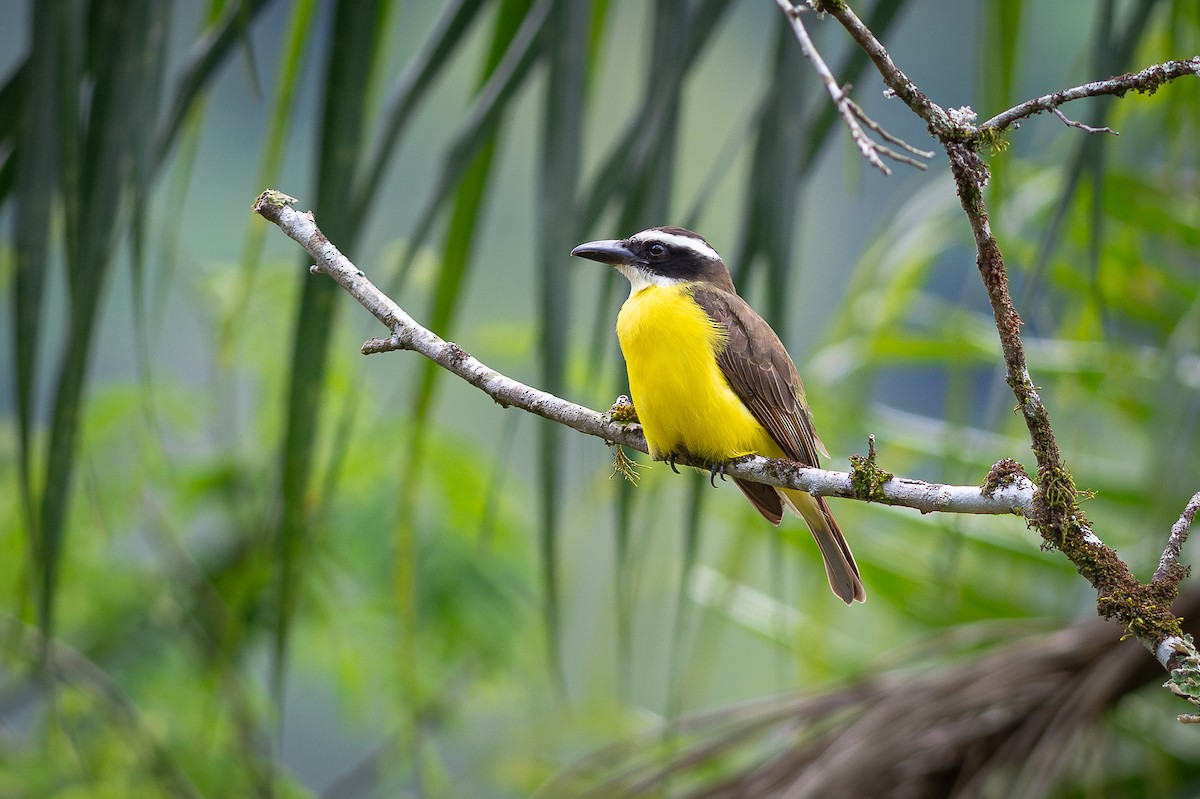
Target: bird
709,378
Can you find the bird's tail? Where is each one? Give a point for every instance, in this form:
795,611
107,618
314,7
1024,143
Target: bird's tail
840,567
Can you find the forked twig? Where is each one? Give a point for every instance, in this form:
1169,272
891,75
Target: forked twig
850,111
1147,80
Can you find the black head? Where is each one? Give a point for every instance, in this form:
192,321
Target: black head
661,255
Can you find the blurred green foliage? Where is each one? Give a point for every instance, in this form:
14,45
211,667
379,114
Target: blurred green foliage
244,562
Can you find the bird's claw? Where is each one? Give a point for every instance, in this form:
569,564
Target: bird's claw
714,470
671,462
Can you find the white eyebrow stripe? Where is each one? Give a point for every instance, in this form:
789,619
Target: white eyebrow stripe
676,240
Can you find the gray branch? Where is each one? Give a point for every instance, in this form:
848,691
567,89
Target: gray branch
851,113
1179,534
406,334
1148,80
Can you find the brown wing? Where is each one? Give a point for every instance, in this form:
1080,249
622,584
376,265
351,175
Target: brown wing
762,374
760,371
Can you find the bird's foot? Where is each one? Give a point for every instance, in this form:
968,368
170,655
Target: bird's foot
718,468
670,459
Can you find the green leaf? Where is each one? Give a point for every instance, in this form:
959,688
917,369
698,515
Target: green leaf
291,60
419,77
562,141
491,103
1000,37
354,54
98,141
202,66
465,217
33,89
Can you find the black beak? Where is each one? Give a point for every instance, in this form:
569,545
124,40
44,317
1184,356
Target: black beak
606,251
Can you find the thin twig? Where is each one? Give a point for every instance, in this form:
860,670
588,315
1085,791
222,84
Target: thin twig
1148,80
850,112
894,78
1086,128
1179,534
884,134
407,334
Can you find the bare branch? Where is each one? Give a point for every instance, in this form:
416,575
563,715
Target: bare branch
850,112
1148,80
1085,128
1179,534
897,82
406,334
1014,497
857,111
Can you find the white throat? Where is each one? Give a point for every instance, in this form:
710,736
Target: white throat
640,279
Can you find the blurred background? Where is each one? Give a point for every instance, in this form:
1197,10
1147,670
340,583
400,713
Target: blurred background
241,559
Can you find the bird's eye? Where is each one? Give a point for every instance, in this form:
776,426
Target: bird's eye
656,250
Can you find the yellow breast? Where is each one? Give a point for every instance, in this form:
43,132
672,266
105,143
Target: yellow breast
681,397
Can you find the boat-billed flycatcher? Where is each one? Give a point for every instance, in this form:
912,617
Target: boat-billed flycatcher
710,378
